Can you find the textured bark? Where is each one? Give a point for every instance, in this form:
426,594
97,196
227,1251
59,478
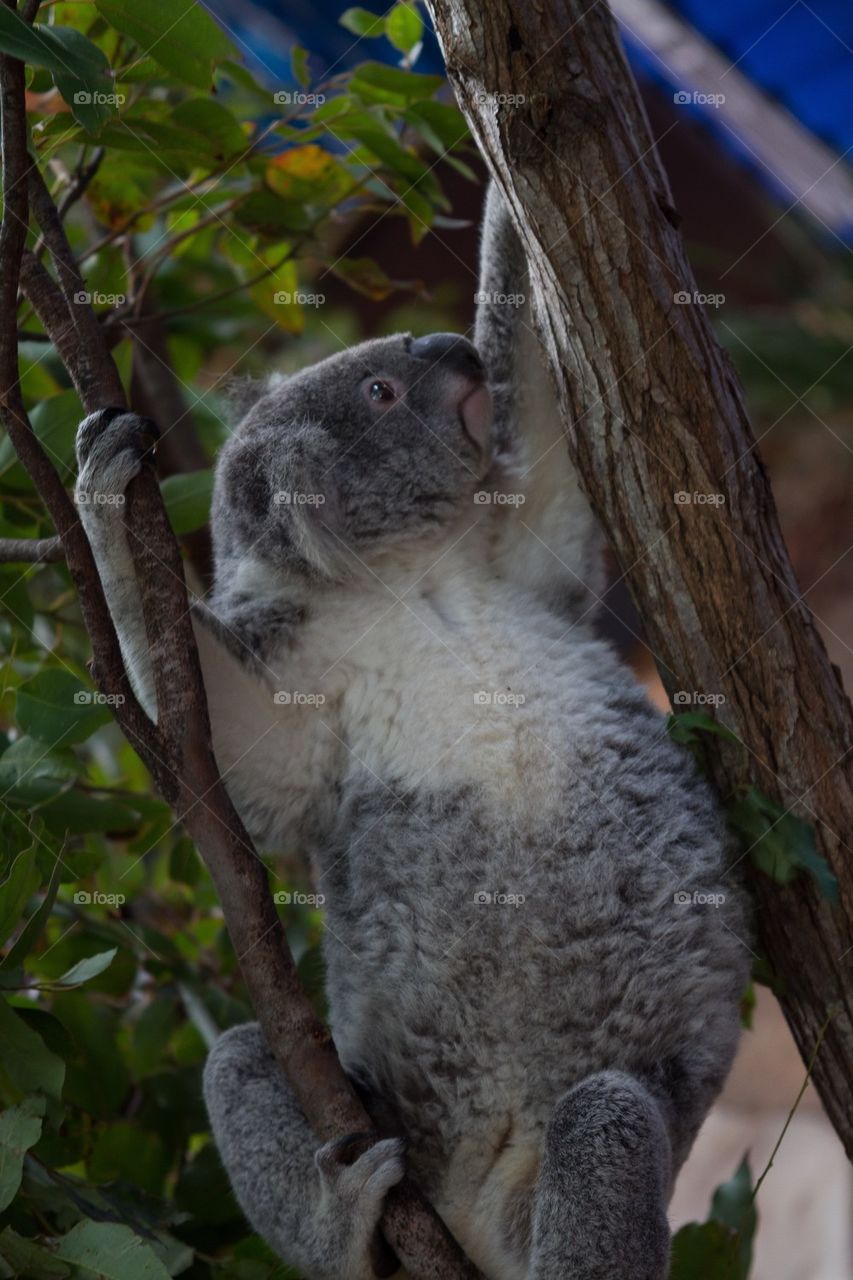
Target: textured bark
652,408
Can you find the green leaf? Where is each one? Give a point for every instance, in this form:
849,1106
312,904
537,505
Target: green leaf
109,1251
704,1251
404,27
83,970
34,927
28,1258
361,22
213,122
299,65
31,774
25,1060
78,66
179,34
780,844
58,708
378,83
16,890
55,422
686,727
187,498
20,1129
733,1205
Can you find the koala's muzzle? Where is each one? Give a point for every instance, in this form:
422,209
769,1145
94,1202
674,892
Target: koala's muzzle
458,359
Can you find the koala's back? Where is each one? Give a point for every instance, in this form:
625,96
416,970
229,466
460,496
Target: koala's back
511,830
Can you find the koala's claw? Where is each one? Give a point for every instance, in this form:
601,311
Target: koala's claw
112,445
364,1183
132,432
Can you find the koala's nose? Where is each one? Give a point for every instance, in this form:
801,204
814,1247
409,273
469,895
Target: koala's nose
456,354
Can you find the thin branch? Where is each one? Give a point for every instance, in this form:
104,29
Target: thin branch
31,550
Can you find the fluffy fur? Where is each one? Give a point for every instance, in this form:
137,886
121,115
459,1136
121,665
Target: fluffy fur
405,684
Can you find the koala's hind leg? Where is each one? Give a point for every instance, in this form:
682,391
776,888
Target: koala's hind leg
599,1208
318,1212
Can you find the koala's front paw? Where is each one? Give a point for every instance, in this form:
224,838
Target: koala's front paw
355,1194
112,445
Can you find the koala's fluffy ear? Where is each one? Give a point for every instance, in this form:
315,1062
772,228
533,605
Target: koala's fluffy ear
242,394
307,495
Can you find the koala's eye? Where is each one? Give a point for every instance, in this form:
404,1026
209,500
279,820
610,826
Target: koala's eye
380,392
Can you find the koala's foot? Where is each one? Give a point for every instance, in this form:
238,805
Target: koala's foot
112,445
599,1209
319,1209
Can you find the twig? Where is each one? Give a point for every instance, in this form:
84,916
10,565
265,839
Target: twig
30,550
818,1042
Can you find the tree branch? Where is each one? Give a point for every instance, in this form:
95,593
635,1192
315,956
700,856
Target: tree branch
177,750
652,410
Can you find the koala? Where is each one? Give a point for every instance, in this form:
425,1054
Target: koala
534,950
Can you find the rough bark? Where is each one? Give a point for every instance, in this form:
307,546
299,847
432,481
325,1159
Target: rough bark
652,409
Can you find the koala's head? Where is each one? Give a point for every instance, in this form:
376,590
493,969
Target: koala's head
382,443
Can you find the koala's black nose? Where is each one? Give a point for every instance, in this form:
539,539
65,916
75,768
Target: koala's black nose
456,354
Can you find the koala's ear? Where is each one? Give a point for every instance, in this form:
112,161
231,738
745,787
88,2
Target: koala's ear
242,394
308,497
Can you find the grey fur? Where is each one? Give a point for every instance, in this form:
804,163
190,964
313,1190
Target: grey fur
550,1051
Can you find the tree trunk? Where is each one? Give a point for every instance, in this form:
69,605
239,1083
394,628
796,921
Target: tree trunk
654,413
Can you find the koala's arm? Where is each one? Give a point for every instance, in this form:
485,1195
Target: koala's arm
275,757
550,541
